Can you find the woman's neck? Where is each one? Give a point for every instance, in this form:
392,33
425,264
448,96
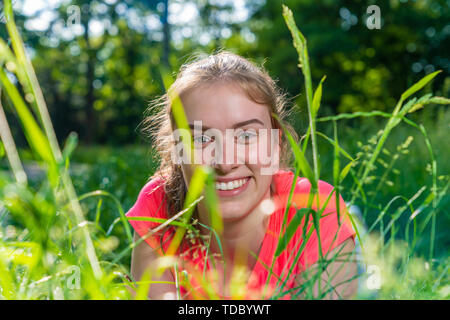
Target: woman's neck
239,236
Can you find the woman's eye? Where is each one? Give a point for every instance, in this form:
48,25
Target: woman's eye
202,139
246,136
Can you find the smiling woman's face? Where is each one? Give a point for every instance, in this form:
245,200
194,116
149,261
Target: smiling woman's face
241,182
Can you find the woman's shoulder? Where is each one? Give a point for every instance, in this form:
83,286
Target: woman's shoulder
154,187
150,204
301,196
284,178
332,233
151,200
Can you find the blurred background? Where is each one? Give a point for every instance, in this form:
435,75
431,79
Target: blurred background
98,65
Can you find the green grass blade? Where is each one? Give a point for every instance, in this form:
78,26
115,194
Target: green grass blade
159,220
317,97
70,145
195,189
345,171
6,281
331,141
419,85
143,286
122,216
10,148
33,133
300,159
291,229
212,203
301,47
336,173
30,81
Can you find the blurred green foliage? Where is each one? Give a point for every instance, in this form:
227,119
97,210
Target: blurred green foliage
367,69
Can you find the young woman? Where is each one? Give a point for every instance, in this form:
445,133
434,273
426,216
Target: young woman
226,93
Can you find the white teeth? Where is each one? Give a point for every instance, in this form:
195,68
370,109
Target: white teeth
230,185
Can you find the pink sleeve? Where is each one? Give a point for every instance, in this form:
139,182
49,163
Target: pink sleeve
331,234
149,204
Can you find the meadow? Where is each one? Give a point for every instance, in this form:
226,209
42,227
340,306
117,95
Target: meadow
63,233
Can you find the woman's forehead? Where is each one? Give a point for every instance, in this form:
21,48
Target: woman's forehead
223,105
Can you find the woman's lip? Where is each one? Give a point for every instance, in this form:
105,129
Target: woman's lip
233,192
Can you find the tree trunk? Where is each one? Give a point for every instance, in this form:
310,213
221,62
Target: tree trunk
166,31
90,125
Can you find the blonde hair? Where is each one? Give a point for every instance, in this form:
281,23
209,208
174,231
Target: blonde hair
222,67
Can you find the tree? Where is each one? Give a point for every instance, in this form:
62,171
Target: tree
367,69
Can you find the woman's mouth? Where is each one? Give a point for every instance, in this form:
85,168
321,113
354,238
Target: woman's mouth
232,187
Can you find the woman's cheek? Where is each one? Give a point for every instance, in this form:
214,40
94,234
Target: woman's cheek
242,154
198,156
269,155
261,155
252,154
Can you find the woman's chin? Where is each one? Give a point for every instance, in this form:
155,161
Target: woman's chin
232,214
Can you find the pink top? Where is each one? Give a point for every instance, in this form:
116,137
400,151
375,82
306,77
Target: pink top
151,203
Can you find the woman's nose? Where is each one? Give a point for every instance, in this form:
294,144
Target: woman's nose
227,157
224,168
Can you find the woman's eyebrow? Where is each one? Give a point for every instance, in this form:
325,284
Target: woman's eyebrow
243,123
236,125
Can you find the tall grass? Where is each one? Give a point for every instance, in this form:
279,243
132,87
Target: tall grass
54,243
